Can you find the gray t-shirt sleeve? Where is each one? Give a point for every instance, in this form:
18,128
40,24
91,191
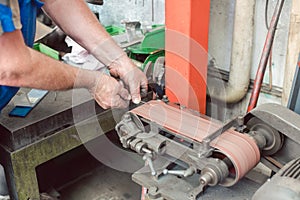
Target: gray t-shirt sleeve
14,6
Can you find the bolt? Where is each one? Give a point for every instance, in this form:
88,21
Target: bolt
165,99
127,117
165,172
240,120
153,190
202,182
150,163
191,197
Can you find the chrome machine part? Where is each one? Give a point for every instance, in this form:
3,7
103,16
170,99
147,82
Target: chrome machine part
148,71
159,71
155,73
284,185
213,174
128,128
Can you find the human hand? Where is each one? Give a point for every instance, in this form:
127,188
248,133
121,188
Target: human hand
110,54
133,78
109,93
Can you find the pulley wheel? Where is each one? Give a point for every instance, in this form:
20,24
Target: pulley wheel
274,139
148,71
158,66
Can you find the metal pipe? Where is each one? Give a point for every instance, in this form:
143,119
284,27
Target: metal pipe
241,56
265,56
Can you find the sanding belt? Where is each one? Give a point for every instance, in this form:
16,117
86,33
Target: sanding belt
239,148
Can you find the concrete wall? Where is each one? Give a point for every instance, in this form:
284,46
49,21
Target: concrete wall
280,42
114,11
221,27
222,16
220,32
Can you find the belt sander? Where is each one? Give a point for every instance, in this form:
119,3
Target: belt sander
186,153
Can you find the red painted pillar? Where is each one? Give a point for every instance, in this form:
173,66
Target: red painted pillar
187,27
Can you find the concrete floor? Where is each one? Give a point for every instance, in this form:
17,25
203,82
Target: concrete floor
103,183
77,175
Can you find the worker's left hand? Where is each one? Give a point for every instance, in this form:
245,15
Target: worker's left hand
133,78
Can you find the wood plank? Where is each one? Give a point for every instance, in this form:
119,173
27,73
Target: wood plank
293,51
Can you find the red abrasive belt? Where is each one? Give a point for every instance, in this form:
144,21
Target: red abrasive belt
239,148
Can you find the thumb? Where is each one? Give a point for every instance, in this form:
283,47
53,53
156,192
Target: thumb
135,92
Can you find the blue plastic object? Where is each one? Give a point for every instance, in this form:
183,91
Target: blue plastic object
6,19
28,11
6,93
20,111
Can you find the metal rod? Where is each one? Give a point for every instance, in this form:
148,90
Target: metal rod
152,10
221,130
265,56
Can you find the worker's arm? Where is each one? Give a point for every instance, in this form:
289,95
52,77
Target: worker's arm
77,21
24,67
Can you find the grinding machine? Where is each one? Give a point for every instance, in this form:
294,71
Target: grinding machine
187,155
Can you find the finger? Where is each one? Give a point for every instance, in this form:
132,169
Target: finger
144,88
134,88
124,94
118,102
121,83
103,105
144,85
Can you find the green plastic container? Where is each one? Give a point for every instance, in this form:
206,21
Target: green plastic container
152,42
46,50
114,30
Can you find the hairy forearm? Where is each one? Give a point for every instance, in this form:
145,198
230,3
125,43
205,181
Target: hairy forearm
42,72
45,73
24,67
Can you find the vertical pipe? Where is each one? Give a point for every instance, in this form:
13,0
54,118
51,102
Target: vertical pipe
240,65
265,56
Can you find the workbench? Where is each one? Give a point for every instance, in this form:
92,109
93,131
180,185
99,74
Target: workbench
61,122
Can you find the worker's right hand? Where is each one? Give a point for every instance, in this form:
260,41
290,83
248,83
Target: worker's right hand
109,93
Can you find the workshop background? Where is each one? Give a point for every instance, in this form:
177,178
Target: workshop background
226,41
221,32
237,34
